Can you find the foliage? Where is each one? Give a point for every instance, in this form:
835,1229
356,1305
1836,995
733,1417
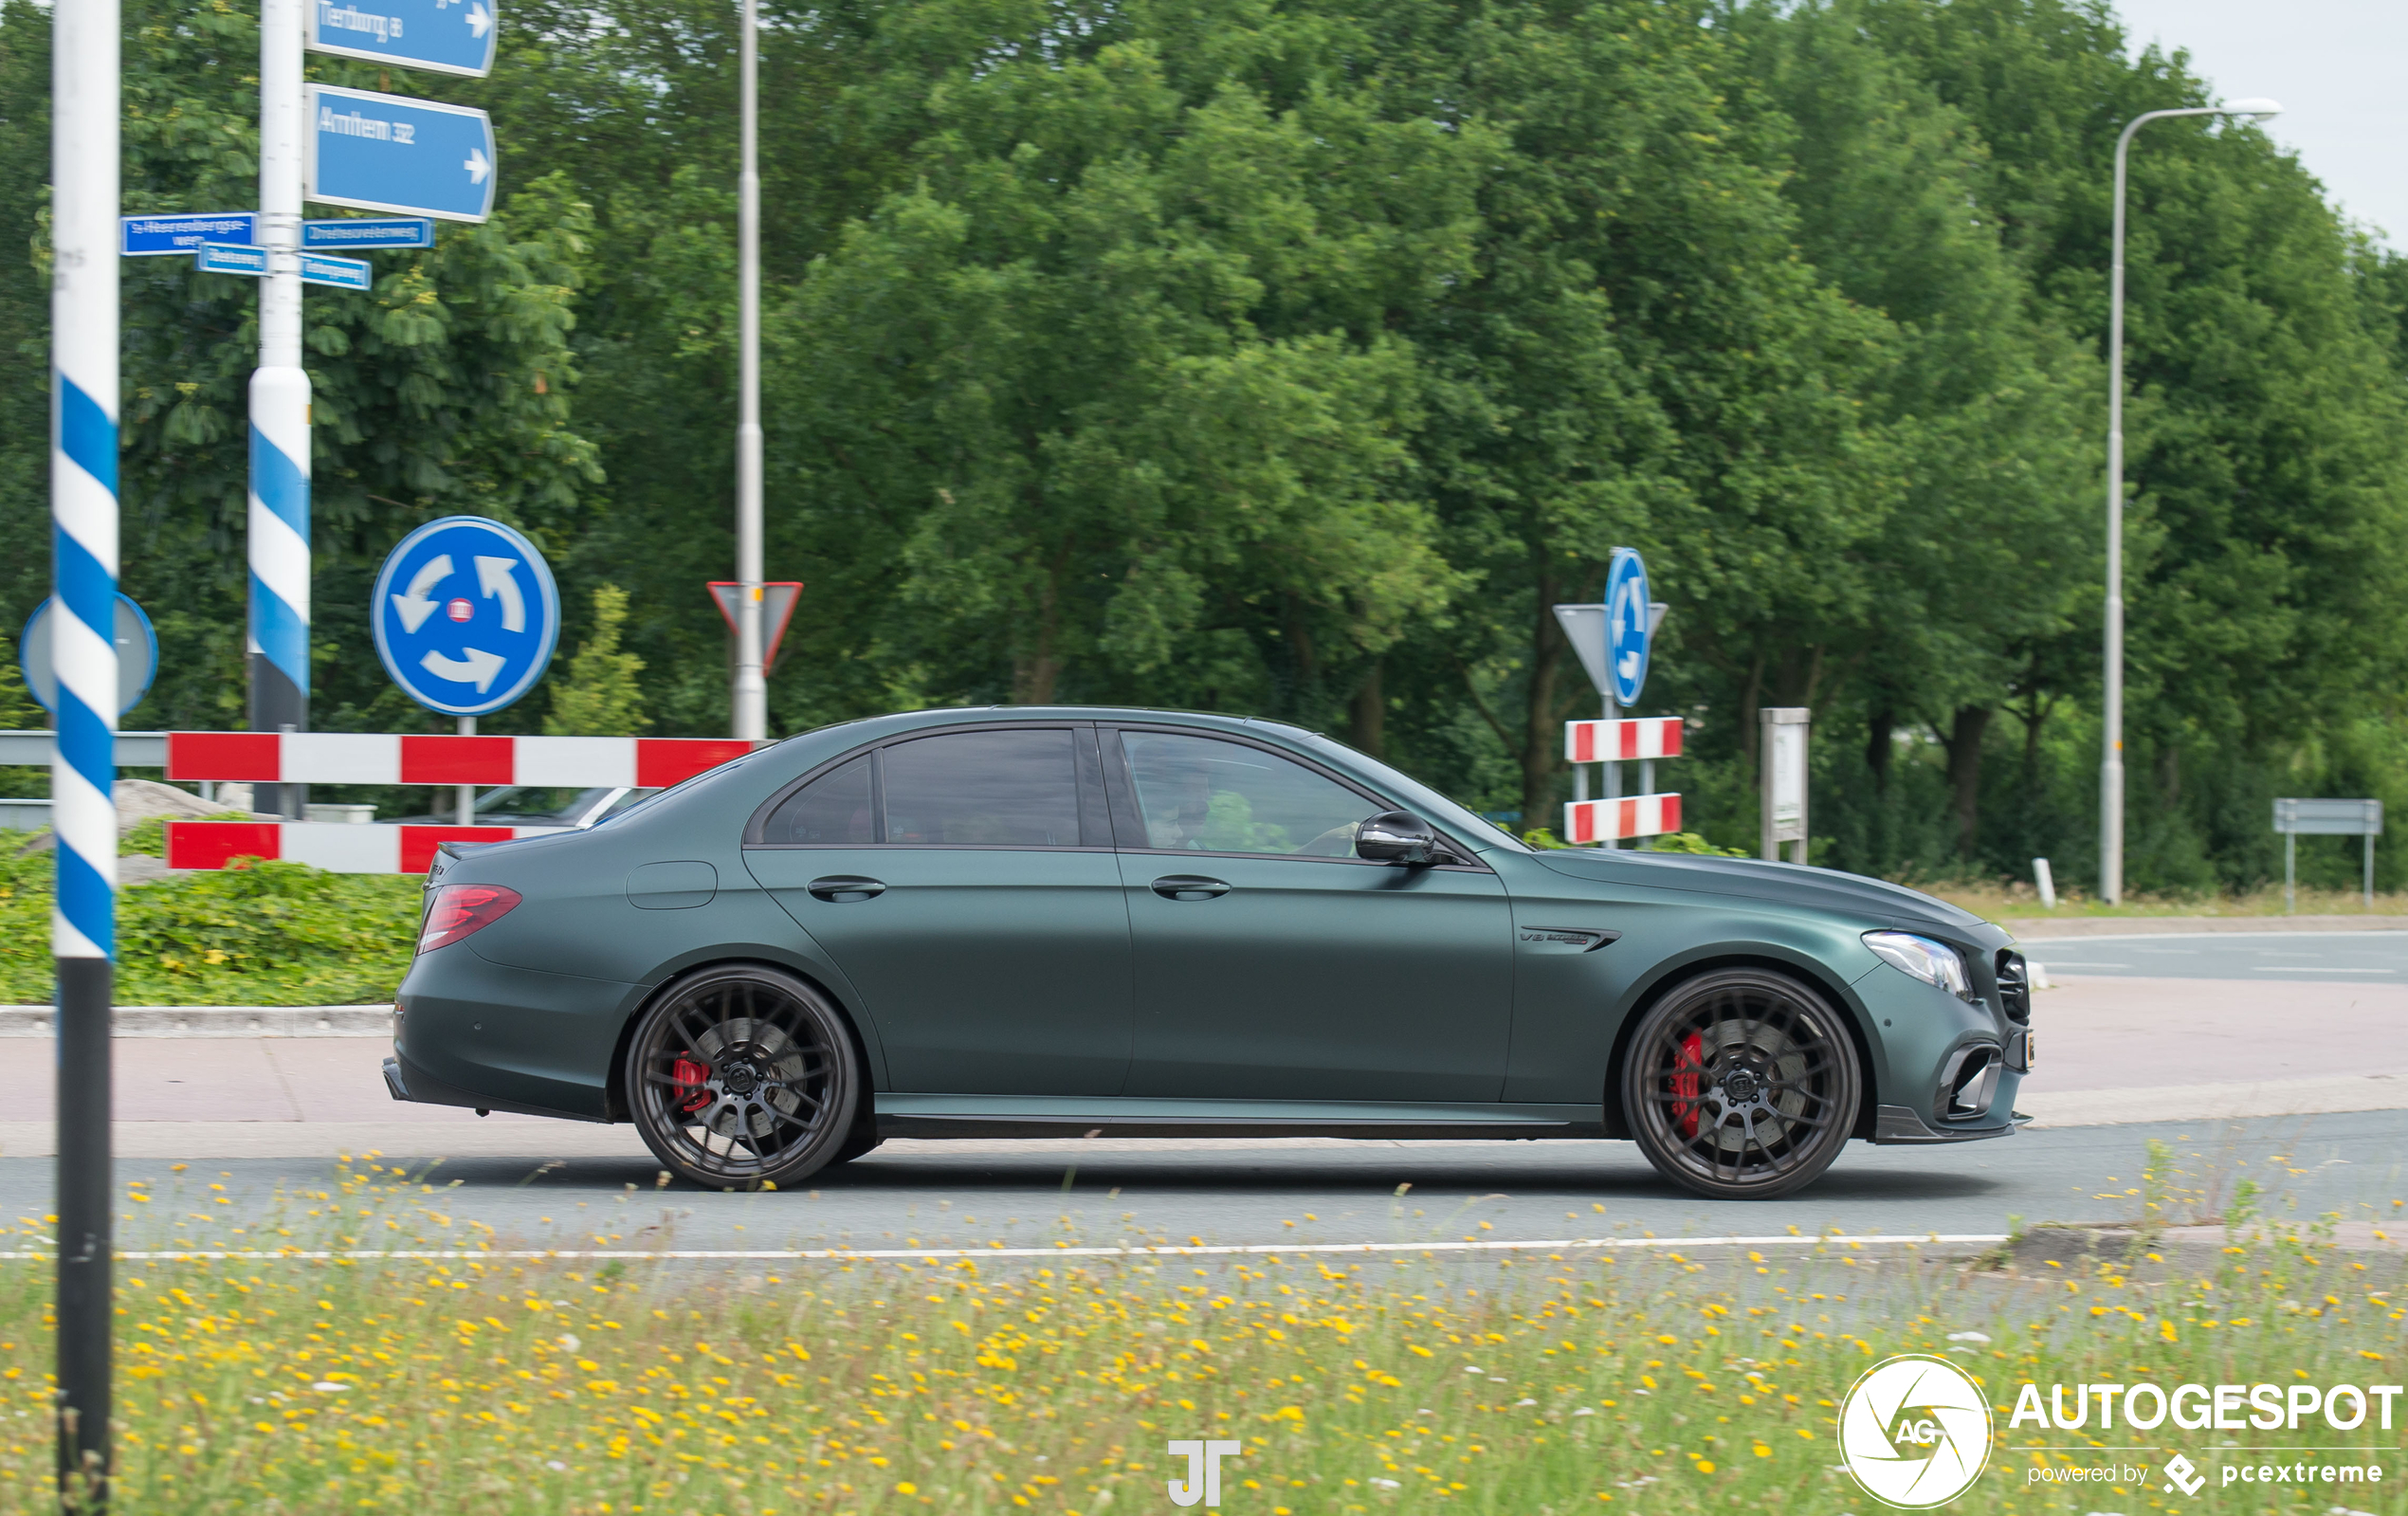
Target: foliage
468,1378
600,696
1295,358
264,934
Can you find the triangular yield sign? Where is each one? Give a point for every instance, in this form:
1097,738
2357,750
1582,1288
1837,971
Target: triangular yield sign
778,599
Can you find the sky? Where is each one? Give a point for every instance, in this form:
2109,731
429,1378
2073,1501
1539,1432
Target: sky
2337,65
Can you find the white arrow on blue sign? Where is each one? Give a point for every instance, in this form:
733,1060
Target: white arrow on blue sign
229,258
342,273
1628,627
466,615
384,153
448,36
160,236
368,232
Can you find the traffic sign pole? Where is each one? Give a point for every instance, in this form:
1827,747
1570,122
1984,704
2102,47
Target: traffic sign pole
279,520
749,696
83,514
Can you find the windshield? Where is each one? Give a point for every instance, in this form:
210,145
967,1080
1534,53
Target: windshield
1470,825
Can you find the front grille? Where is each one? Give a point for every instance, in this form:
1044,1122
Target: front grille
2015,986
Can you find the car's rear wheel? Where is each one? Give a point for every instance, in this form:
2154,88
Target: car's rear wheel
1740,1085
741,1077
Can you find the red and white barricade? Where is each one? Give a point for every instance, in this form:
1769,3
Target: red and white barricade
1647,737
1633,815
334,846
386,758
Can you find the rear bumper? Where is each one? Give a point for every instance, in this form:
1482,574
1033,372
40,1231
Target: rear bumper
489,1036
404,1081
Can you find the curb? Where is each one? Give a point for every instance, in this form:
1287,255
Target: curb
215,1021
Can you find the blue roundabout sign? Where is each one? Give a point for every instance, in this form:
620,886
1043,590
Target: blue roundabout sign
466,614
1627,629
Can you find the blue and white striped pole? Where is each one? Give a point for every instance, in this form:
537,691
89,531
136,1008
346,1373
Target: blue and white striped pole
83,516
279,519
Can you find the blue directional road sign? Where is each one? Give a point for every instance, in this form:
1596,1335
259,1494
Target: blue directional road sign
464,617
137,654
1627,625
160,236
383,153
364,232
229,258
343,273
449,36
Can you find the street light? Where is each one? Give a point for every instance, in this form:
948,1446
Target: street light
2111,756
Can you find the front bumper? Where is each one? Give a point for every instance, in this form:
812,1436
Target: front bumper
1897,1124
1951,1067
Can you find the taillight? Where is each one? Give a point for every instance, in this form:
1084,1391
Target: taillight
453,911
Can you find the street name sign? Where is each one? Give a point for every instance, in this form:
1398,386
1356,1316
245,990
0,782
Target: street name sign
446,36
378,152
342,273
160,236
362,232
465,615
1628,628
137,654
229,258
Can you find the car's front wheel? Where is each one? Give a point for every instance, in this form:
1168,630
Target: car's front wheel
1740,1085
741,1077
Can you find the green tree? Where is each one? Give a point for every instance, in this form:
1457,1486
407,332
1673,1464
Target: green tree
1106,404
600,698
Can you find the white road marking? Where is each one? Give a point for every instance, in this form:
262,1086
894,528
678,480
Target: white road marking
933,1254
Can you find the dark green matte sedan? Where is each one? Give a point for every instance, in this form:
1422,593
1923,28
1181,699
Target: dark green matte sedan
1051,923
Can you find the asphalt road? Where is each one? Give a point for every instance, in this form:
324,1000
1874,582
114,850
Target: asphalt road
1262,1195
2375,958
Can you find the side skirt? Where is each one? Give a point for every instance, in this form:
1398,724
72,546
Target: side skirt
961,1116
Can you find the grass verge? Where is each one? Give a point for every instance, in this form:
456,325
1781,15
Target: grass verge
1528,1384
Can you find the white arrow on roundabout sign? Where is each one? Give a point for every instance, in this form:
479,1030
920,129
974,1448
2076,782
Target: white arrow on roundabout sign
466,615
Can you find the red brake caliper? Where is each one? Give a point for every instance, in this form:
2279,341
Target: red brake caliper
692,1079
1686,1082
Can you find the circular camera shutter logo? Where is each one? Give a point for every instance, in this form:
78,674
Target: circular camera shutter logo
1915,1432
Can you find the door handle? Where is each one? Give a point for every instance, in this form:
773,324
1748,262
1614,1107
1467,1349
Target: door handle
839,888
1189,886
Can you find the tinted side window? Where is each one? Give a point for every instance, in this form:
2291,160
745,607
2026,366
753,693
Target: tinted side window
834,808
991,789
1213,796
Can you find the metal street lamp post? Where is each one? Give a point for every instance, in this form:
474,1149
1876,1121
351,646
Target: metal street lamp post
749,696
2111,754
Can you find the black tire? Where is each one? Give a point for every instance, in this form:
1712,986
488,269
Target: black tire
743,1077
1740,1085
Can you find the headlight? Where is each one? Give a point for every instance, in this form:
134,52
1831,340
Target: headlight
1932,962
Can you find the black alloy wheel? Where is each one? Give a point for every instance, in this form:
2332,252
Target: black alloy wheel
1740,1085
743,1077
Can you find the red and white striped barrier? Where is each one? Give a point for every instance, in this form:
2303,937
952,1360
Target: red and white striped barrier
1648,737
334,846
1633,815
385,757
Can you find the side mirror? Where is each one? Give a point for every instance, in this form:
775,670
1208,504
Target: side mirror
1396,837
